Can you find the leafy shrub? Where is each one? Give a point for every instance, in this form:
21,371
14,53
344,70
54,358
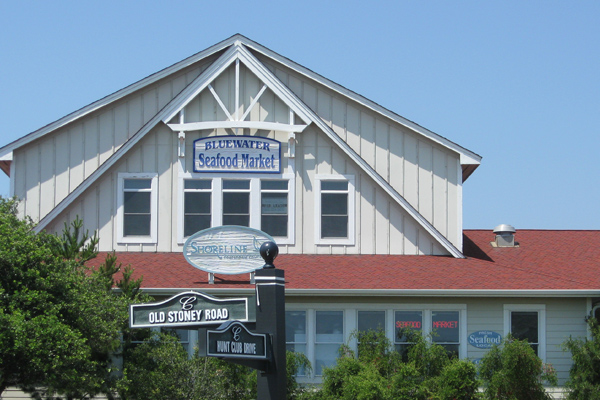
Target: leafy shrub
584,377
379,373
513,371
161,369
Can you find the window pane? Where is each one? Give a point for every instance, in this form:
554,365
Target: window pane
236,203
195,223
295,326
136,224
197,203
241,220
334,204
236,184
275,225
407,320
334,185
136,202
197,184
445,326
273,185
325,356
524,325
137,183
330,326
334,227
371,320
451,349
274,203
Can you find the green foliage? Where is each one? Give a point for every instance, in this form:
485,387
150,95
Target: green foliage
379,373
584,377
161,369
59,322
513,371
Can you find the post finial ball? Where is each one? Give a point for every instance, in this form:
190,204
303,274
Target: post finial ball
269,251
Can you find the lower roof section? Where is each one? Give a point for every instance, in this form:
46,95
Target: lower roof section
545,263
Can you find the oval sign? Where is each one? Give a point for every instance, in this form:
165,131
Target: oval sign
485,339
228,249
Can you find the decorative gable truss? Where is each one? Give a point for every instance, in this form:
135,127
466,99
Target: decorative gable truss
239,112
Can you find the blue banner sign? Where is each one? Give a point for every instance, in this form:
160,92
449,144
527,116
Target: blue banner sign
237,154
484,339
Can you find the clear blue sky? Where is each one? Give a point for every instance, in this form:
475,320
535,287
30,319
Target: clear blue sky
517,82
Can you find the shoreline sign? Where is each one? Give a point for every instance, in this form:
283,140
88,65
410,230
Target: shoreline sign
190,309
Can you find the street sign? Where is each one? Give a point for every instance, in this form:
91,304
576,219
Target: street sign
234,340
190,309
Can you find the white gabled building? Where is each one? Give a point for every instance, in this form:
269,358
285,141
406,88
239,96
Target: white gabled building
365,205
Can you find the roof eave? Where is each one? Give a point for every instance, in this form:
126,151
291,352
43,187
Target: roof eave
581,293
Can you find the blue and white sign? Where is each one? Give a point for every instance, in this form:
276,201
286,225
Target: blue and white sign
237,154
227,249
485,339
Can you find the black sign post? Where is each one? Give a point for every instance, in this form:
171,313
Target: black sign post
270,317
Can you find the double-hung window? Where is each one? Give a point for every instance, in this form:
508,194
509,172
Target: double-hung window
266,204
329,336
236,202
137,208
335,215
527,322
295,333
197,195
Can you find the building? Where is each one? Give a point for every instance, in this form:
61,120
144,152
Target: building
365,205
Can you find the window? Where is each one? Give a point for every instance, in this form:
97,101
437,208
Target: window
527,322
329,327
334,209
406,321
236,202
137,208
197,205
295,333
274,207
261,203
446,330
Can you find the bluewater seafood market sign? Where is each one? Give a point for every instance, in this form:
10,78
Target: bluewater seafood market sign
237,154
227,249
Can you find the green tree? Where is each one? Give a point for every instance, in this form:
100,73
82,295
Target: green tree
59,322
584,377
513,371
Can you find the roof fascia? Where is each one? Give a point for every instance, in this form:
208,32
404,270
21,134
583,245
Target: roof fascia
118,154
390,292
466,156
446,292
237,51
9,148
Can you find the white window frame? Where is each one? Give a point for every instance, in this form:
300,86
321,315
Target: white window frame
255,203
152,238
541,310
351,239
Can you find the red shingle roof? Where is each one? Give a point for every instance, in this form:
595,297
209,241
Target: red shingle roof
544,260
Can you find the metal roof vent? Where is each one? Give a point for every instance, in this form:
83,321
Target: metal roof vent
505,236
